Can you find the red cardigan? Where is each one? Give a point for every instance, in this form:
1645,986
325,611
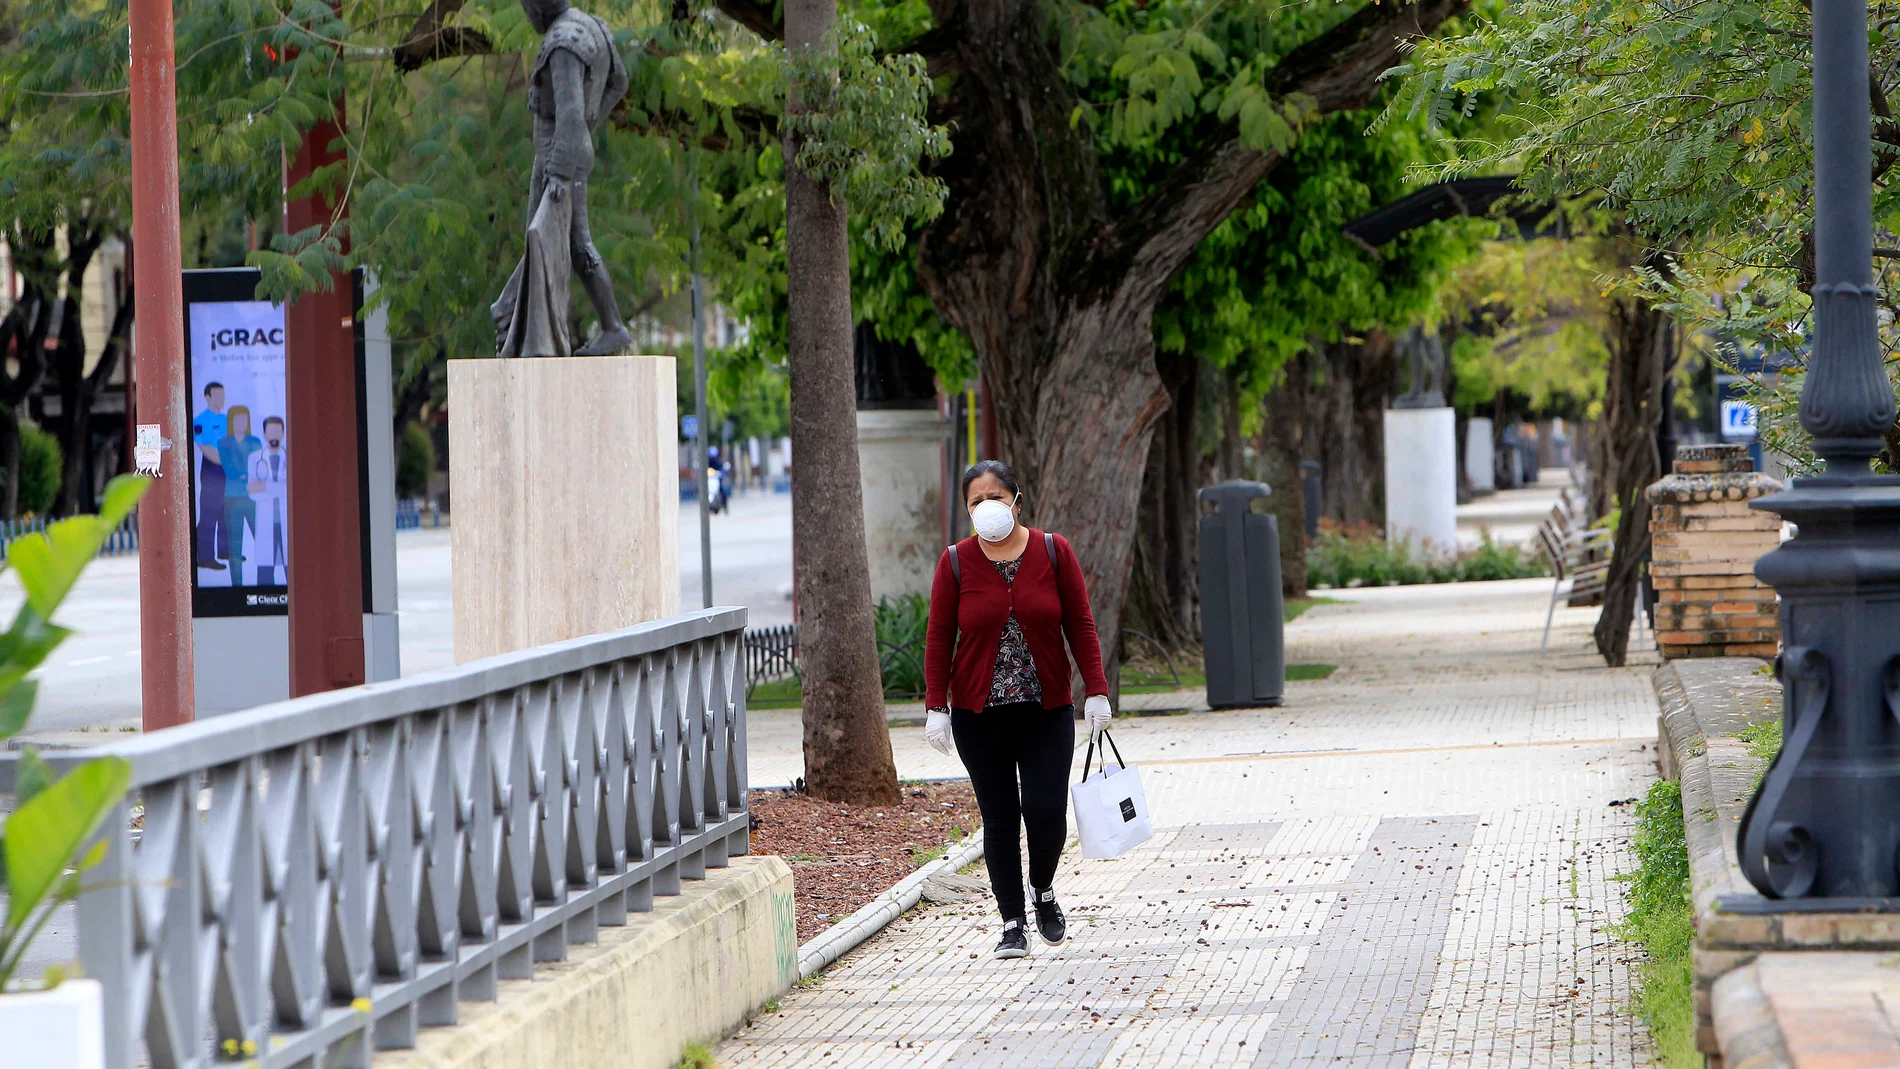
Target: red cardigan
968,617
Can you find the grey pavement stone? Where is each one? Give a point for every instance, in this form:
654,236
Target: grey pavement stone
1414,863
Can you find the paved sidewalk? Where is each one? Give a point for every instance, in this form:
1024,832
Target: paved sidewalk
1412,864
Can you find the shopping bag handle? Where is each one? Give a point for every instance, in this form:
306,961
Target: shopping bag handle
1090,756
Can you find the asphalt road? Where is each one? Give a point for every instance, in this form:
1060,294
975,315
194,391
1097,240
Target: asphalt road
92,682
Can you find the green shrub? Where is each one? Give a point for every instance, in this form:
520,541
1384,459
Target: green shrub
415,461
1342,559
900,642
41,461
1662,921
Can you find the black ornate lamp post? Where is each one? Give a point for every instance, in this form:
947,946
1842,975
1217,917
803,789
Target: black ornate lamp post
1825,823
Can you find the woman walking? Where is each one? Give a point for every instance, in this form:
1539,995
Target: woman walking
997,680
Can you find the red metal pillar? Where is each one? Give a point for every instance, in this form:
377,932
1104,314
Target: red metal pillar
158,336
326,560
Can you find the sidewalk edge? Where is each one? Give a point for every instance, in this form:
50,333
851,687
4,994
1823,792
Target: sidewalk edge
843,937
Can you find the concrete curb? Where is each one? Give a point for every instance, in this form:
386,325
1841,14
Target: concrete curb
691,970
843,937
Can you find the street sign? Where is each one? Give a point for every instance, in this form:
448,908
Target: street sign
689,427
1738,419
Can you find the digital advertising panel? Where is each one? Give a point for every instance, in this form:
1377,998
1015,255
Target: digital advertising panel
240,447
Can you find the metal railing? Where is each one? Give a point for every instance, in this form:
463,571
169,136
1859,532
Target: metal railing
124,539
413,514
315,880
771,653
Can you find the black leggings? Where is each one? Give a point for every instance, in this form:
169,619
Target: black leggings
994,745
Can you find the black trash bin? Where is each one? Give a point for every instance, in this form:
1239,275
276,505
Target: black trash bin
1243,626
1313,493
1510,458
1528,462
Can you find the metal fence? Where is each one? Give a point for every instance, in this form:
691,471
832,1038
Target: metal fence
771,653
413,514
123,540
315,880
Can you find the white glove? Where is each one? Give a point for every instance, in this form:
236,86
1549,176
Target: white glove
937,732
1097,712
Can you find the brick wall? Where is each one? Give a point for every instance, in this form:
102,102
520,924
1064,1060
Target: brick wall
1705,541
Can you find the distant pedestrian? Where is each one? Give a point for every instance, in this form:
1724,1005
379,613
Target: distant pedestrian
996,676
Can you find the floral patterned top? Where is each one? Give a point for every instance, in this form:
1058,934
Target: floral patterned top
1014,678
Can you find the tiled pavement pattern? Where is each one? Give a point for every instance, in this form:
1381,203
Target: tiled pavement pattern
1412,864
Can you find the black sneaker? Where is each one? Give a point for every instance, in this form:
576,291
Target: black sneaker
1049,919
1014,944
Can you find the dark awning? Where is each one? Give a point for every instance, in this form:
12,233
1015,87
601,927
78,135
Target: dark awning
1444,200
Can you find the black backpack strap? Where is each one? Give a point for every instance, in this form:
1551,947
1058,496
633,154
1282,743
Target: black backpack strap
1049,547
956,566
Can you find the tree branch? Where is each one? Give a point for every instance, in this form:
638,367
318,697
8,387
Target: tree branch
754,125
116,337
763,17
431,39
1339,70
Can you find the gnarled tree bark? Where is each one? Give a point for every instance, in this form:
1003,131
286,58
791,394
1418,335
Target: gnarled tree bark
1350,382
1056,287
1164,597
1282,446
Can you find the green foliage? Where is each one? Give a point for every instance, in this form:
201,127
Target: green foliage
860,128
1693,123
1304,673
754,394
44,843
1297,607
1280,272
1532,316
1150,72
415,461
1661,919
1342,559
42,464
1764,739
901,623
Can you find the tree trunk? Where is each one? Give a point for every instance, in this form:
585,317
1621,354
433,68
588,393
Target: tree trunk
1232,449
1640,345
847,737
23,337
1345,425
10,461
1164,588
75,409
69,365
1055,282
1282,447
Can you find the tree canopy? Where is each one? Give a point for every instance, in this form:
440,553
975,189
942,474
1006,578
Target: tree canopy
1693,123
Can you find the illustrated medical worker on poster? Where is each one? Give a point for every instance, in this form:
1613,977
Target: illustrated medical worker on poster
240,448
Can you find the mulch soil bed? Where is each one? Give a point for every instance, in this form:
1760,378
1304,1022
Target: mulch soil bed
842,856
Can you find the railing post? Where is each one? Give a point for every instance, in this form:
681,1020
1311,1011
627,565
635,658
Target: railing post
105,915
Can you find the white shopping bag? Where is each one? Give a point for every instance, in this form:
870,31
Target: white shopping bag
1111,811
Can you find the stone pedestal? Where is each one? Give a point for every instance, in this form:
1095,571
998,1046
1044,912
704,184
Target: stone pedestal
566,499
1706,541
900,457
1480,456
1421,479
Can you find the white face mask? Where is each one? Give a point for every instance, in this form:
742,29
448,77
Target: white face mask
993,520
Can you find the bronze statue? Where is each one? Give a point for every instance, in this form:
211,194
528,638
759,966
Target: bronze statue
578,78
1427,353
